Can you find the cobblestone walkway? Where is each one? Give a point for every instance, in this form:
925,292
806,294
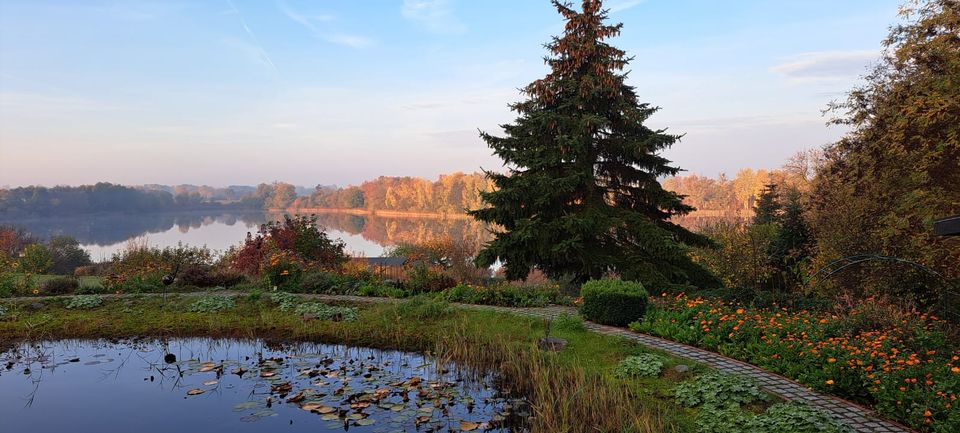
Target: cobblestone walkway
857,417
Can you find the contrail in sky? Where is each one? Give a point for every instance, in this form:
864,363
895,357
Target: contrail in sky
253,36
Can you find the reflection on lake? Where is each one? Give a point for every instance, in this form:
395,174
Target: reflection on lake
207,385
365,235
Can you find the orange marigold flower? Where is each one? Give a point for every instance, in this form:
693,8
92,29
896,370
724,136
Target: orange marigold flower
829,382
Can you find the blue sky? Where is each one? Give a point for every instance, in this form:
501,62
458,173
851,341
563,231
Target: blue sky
334,92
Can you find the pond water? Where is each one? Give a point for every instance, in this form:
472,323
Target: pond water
213,385
364,235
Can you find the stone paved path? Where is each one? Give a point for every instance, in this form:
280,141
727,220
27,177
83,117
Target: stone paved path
857,417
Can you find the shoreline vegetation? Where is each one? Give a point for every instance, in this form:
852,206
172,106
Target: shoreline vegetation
483,340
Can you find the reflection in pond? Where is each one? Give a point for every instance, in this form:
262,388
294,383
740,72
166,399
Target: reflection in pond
239,386
365,235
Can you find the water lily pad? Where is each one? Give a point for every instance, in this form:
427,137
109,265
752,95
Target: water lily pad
195,391
365,421
211,382
246,405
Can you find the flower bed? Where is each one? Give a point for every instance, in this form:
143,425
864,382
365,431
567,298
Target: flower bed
902,364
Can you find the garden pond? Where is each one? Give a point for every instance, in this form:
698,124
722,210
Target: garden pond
226,385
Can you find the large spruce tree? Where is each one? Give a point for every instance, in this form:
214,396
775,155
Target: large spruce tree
582,197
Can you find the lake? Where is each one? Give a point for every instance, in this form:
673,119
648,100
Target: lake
222,385
365,235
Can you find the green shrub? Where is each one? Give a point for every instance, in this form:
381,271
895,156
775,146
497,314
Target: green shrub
642,365
84,302
204,276
613,302
568,323
421,279
89,289
255,295
715,389
60,286
8,284
376,288
420,308
212,304
3,312
504,294
326,282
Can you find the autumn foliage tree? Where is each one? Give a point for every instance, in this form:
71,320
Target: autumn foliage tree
581,197
899,168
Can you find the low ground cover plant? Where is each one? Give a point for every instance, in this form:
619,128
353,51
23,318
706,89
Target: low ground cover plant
903,363
644,364
612,301
84,302
212,304
721,398
718,389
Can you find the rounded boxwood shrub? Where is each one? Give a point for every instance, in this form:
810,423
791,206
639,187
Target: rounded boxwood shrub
613,302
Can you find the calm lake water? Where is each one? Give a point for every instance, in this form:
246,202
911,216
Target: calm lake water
208,385
104,234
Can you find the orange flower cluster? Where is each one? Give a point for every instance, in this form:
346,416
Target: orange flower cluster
908,368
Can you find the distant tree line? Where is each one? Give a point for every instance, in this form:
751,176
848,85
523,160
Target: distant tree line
102,197
450,193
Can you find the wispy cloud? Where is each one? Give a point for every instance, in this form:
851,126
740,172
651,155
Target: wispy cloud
304,20
310,22
253,37
825,66
433,15
352,41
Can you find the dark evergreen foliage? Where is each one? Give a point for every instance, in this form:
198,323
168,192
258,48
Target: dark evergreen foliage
582,196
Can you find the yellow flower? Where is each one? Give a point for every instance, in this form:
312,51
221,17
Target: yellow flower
829,382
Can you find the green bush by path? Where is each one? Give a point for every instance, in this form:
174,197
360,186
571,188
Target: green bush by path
505,294
613,302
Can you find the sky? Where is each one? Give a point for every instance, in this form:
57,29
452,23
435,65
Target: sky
226,92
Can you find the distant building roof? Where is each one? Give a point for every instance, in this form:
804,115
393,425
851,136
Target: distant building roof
382,261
